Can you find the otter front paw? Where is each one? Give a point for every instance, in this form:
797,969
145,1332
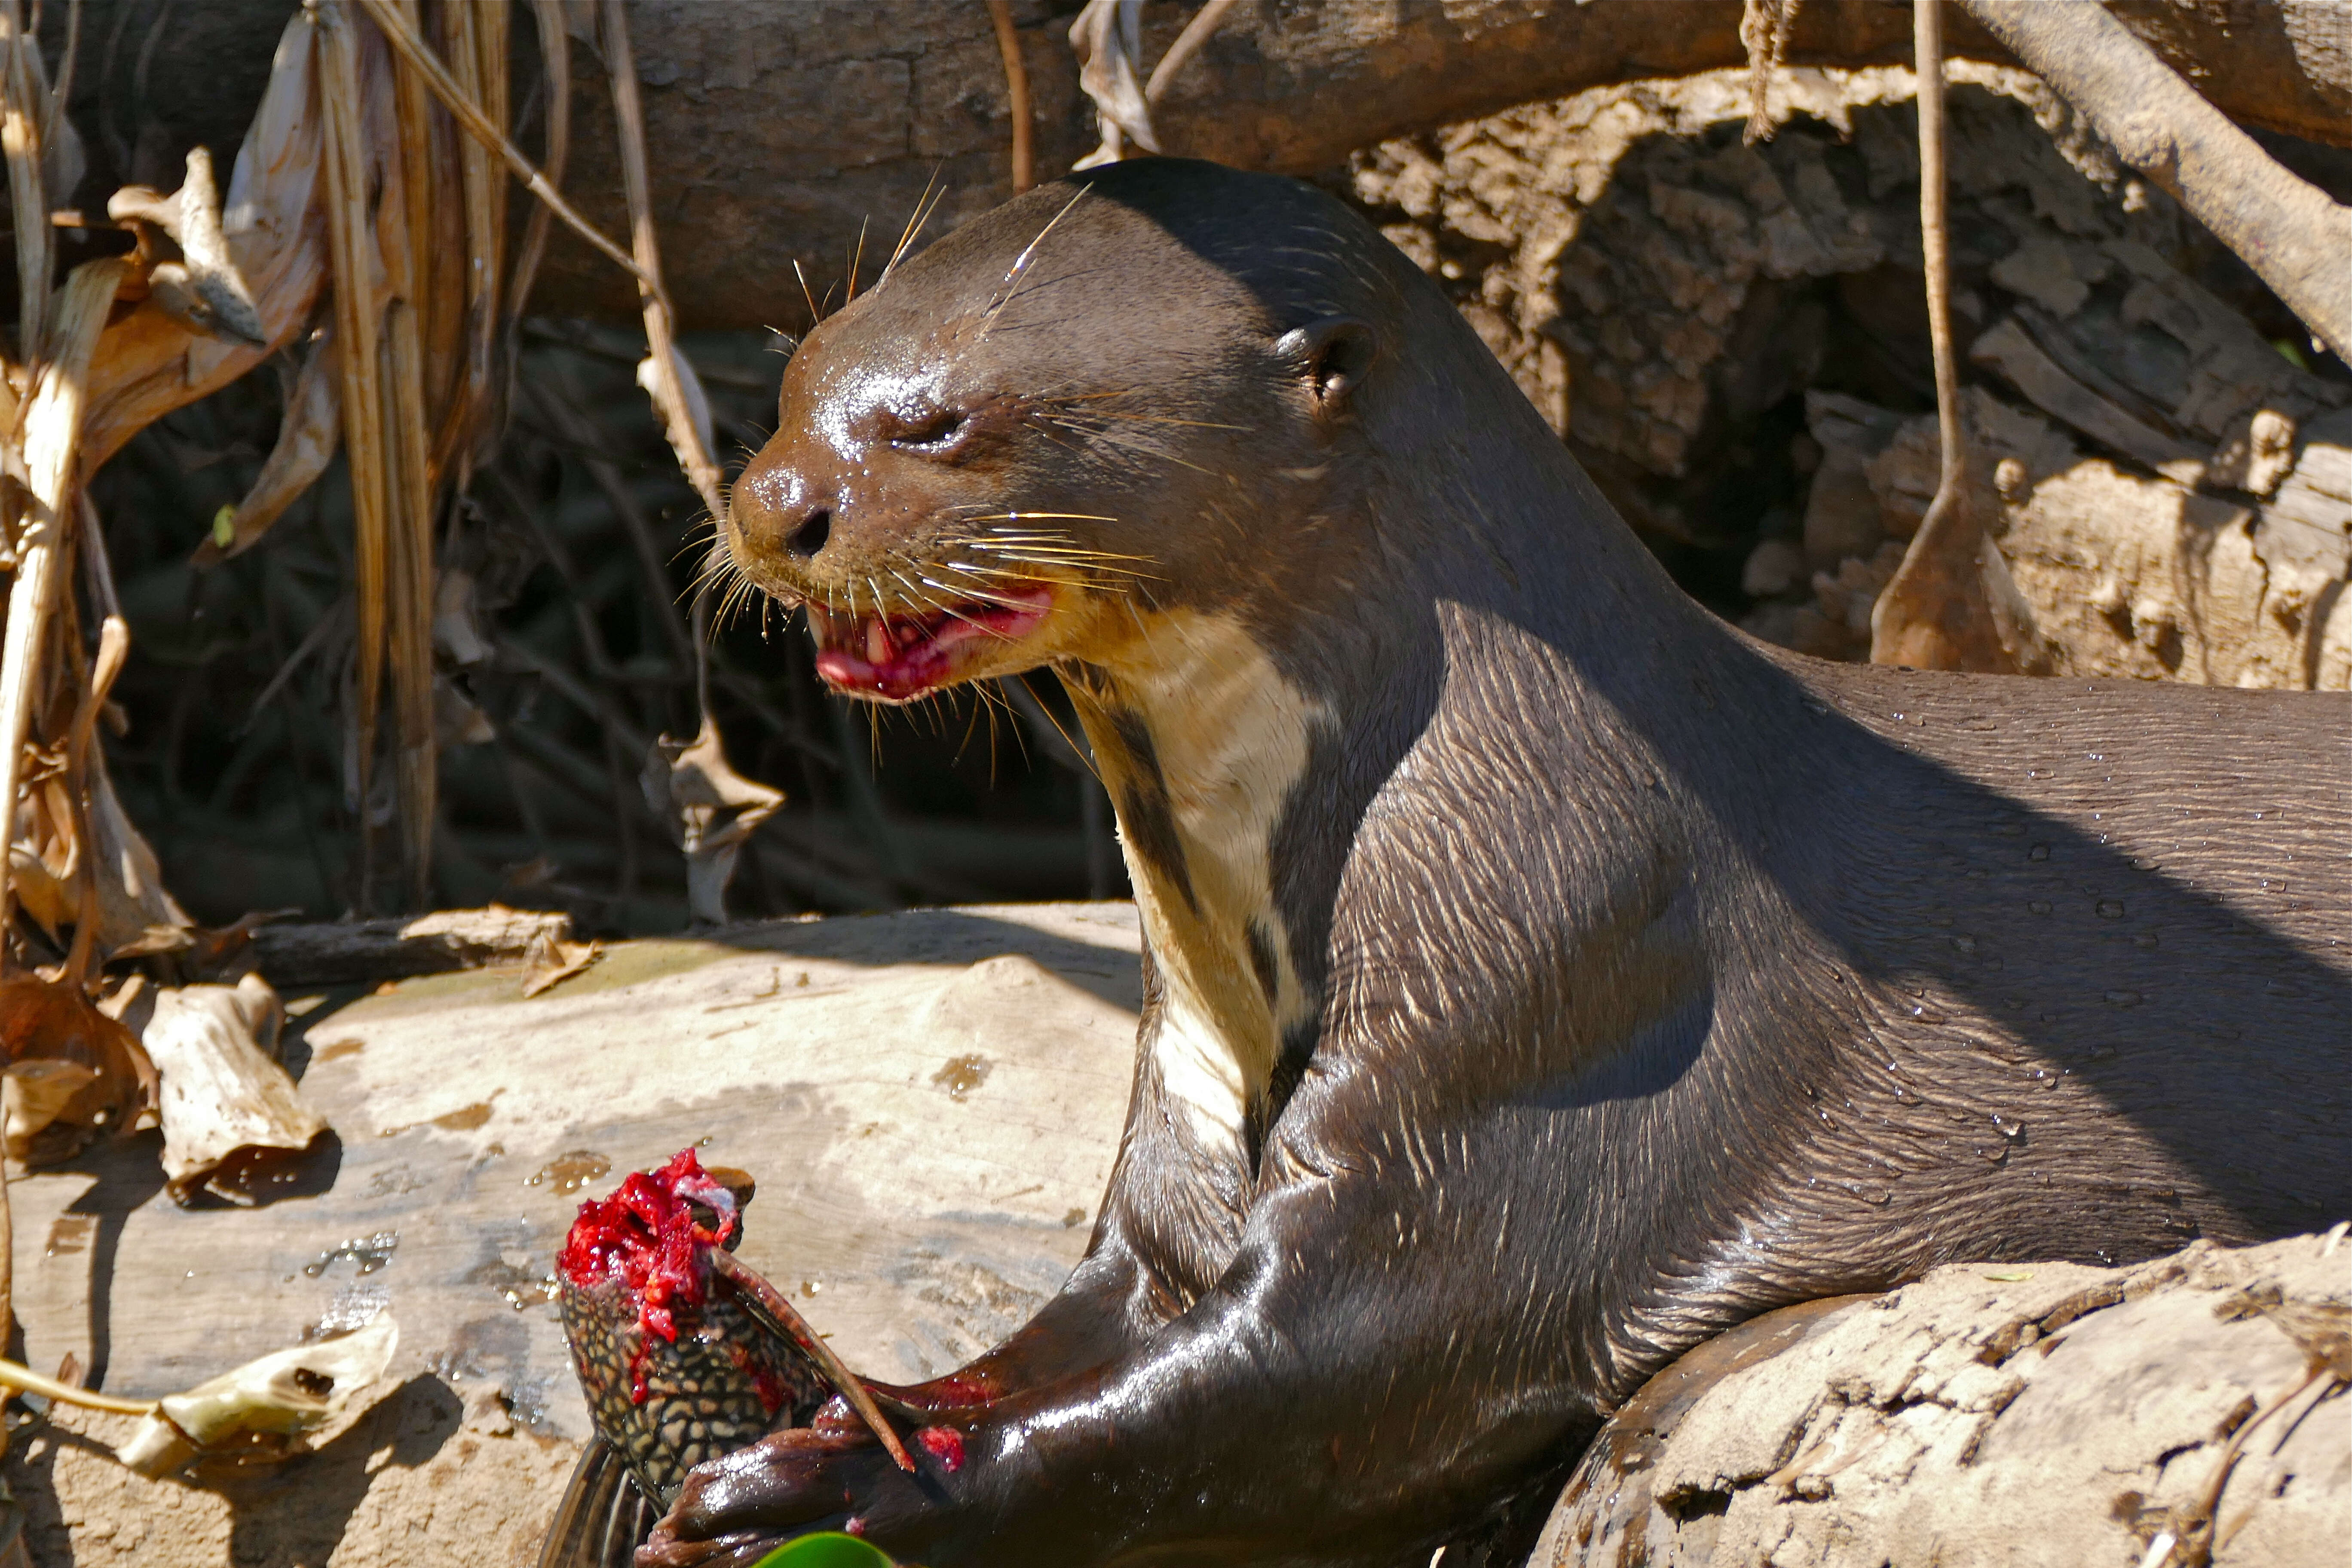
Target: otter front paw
792,1483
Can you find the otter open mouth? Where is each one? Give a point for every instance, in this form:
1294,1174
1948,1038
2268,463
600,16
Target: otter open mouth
898,658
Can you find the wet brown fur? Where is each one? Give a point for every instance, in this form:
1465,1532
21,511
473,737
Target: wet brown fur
1654,977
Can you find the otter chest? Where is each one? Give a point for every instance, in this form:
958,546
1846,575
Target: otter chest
1201,746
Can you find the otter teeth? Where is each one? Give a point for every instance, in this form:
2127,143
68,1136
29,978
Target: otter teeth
877,642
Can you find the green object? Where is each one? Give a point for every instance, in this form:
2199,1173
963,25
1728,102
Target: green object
827,1550
225,527
2293,353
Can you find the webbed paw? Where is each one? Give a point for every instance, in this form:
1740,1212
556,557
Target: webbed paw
795,1482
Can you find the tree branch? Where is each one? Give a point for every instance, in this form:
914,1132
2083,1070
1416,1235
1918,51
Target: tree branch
2297,240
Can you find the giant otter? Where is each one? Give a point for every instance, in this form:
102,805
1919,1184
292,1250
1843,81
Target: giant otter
1542,975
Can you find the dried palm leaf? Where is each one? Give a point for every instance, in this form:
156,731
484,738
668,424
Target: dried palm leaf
198,286
23,109
50,432
307,439
412,50
149,364
347,93
476,44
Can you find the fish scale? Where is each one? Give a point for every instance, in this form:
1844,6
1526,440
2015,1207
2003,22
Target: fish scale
725,1381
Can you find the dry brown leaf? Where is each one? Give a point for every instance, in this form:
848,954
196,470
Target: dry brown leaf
148,363
22,114
41,1020
232,1117
554,961
711,810
306,439
196,282
33,1094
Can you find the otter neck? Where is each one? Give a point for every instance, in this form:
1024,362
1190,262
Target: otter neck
1201,741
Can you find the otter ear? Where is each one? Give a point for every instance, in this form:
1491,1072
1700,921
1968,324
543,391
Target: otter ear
1332,356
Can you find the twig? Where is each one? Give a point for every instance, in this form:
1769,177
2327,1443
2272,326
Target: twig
774,1304
24,1380
412,49
1016,93
1952,604
1188,43
555,65
2287,229
1935,251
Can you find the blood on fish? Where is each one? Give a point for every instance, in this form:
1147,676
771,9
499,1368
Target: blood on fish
648,1237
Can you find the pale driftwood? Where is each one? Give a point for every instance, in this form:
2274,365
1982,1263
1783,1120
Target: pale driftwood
2037,1415
346,953
2287,229
928,1102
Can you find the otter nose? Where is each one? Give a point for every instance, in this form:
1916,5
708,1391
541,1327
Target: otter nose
803,542
780,506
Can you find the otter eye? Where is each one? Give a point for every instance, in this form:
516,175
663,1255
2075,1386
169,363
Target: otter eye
936,428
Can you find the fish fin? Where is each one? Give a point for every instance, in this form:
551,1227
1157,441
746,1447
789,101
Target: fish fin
603,1518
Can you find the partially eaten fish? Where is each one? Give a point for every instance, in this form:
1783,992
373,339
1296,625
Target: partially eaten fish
677,1368
686,1354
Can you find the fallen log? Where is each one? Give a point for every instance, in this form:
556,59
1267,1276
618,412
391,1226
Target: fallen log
2189,1410
784,128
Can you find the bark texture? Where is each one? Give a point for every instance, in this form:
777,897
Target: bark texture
780,127
2289,232
1713,326
2187,1411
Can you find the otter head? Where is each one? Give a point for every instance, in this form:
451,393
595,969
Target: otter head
1061,419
